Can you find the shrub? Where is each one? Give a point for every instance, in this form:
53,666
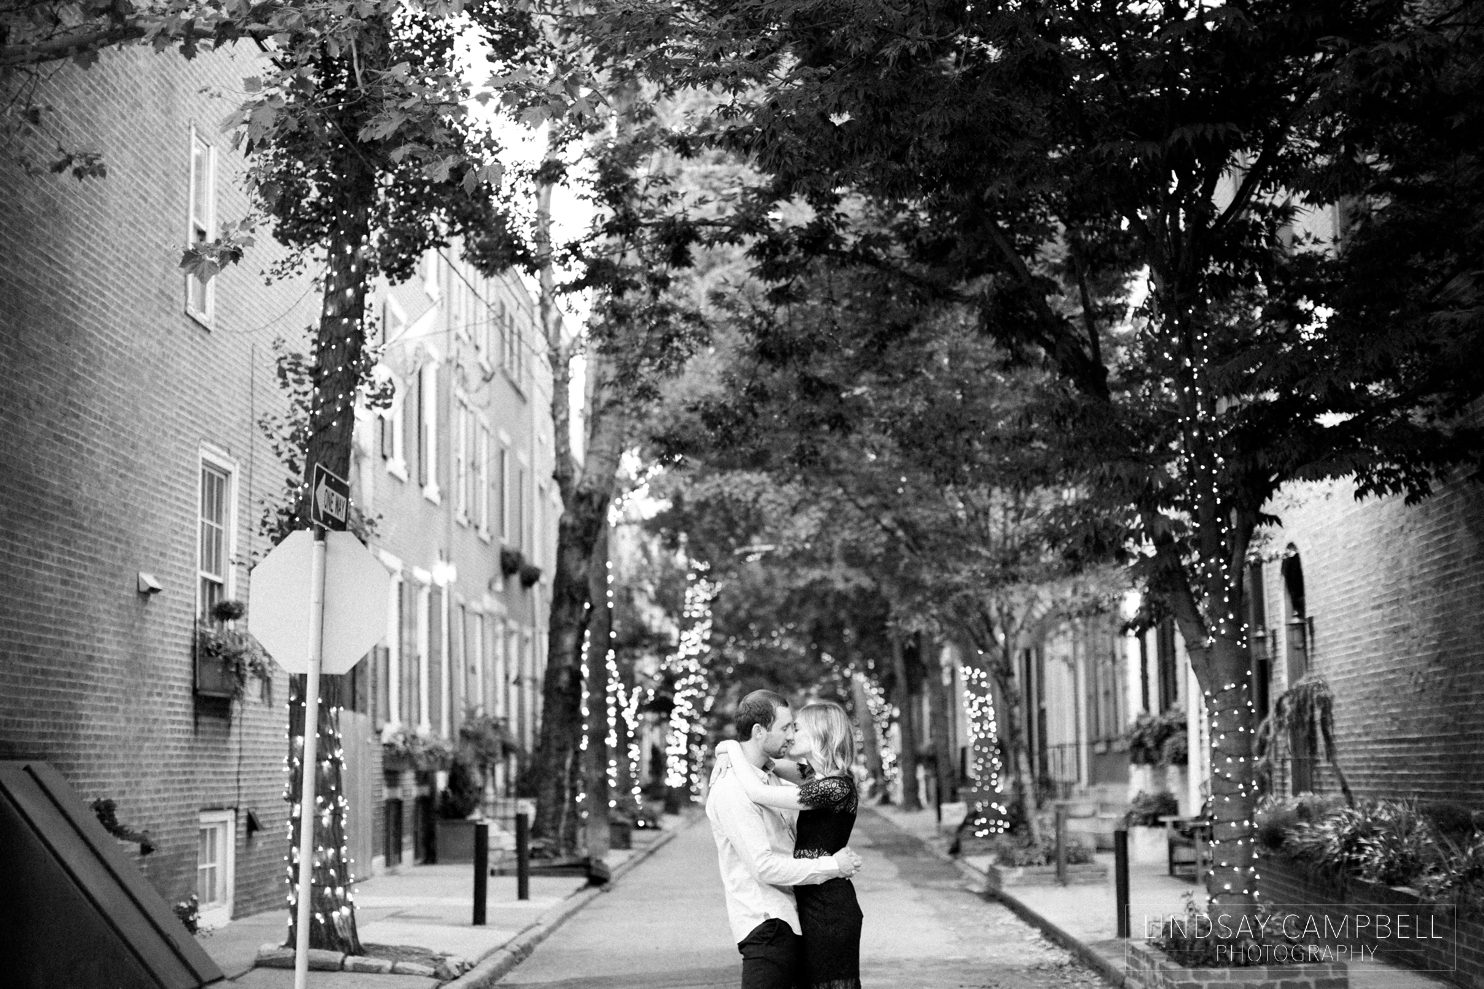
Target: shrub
1158,740
1402,846
1146,809
1274,819
465,788
1458,877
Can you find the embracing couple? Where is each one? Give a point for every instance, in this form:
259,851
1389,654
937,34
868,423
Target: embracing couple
781,827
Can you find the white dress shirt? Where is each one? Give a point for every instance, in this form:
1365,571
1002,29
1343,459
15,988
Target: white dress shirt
754,848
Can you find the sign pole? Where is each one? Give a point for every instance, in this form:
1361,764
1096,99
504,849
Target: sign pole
310,759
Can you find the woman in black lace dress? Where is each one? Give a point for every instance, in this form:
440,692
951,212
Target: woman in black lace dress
826,798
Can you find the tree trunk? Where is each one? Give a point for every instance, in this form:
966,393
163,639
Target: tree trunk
945,773
338,352
1223,668
599,632
906,725
556,772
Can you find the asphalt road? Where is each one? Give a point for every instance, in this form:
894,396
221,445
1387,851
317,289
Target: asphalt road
663,926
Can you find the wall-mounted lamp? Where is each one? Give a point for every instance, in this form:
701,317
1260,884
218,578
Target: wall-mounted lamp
148,584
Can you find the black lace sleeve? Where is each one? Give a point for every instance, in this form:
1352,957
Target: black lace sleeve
826,792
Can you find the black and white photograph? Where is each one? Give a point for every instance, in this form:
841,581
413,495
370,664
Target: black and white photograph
778,494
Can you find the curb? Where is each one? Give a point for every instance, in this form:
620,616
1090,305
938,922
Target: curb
498,964
1100,963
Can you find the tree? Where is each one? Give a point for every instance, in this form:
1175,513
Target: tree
1117,190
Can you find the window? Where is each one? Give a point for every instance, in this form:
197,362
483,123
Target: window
424,620
215,848
216,532
201,293
394,417
481,479
389,684
463,466
427,431
473,656
522,514
502,483
514,346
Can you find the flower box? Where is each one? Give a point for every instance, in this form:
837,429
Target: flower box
999,876
1150,968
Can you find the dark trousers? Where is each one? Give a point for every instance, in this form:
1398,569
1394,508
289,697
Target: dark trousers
771,956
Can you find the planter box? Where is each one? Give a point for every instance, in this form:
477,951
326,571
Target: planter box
1147,845
215,677
620,835
1000,876
1151,968
1432,938
455,841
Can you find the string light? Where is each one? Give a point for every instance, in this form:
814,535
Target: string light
692,685
984,744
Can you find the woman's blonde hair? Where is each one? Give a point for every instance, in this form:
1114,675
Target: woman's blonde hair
830,726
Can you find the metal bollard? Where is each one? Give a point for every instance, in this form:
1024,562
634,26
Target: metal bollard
522,857
1061,845
481,871
1120,879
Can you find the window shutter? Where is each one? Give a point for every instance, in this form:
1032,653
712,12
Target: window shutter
422,430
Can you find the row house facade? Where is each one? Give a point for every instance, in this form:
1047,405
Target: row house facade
457,474
133,476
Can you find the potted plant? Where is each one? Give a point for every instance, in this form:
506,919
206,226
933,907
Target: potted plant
510,560
529,574
227,658
458,805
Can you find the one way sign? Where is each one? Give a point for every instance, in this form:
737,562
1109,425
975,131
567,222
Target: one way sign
329,502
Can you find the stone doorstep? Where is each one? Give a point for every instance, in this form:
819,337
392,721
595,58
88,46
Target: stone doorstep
1150,968
323,960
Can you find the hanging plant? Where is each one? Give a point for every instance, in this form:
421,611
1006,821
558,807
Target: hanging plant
529,574
511,560
1303,717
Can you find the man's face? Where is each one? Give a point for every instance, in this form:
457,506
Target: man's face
781,735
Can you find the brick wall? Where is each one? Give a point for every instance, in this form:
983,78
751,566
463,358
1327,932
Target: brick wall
110,392
1396,594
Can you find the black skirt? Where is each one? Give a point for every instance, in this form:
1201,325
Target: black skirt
830,920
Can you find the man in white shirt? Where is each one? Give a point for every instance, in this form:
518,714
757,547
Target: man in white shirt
754,848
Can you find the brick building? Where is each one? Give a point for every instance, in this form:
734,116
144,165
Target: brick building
132,479
1385,601
129,461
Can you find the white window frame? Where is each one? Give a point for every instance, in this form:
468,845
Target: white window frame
215,913
217,460
200,229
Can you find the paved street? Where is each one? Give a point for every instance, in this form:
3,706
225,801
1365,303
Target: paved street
664,927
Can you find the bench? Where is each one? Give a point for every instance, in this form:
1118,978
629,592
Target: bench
1188,840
